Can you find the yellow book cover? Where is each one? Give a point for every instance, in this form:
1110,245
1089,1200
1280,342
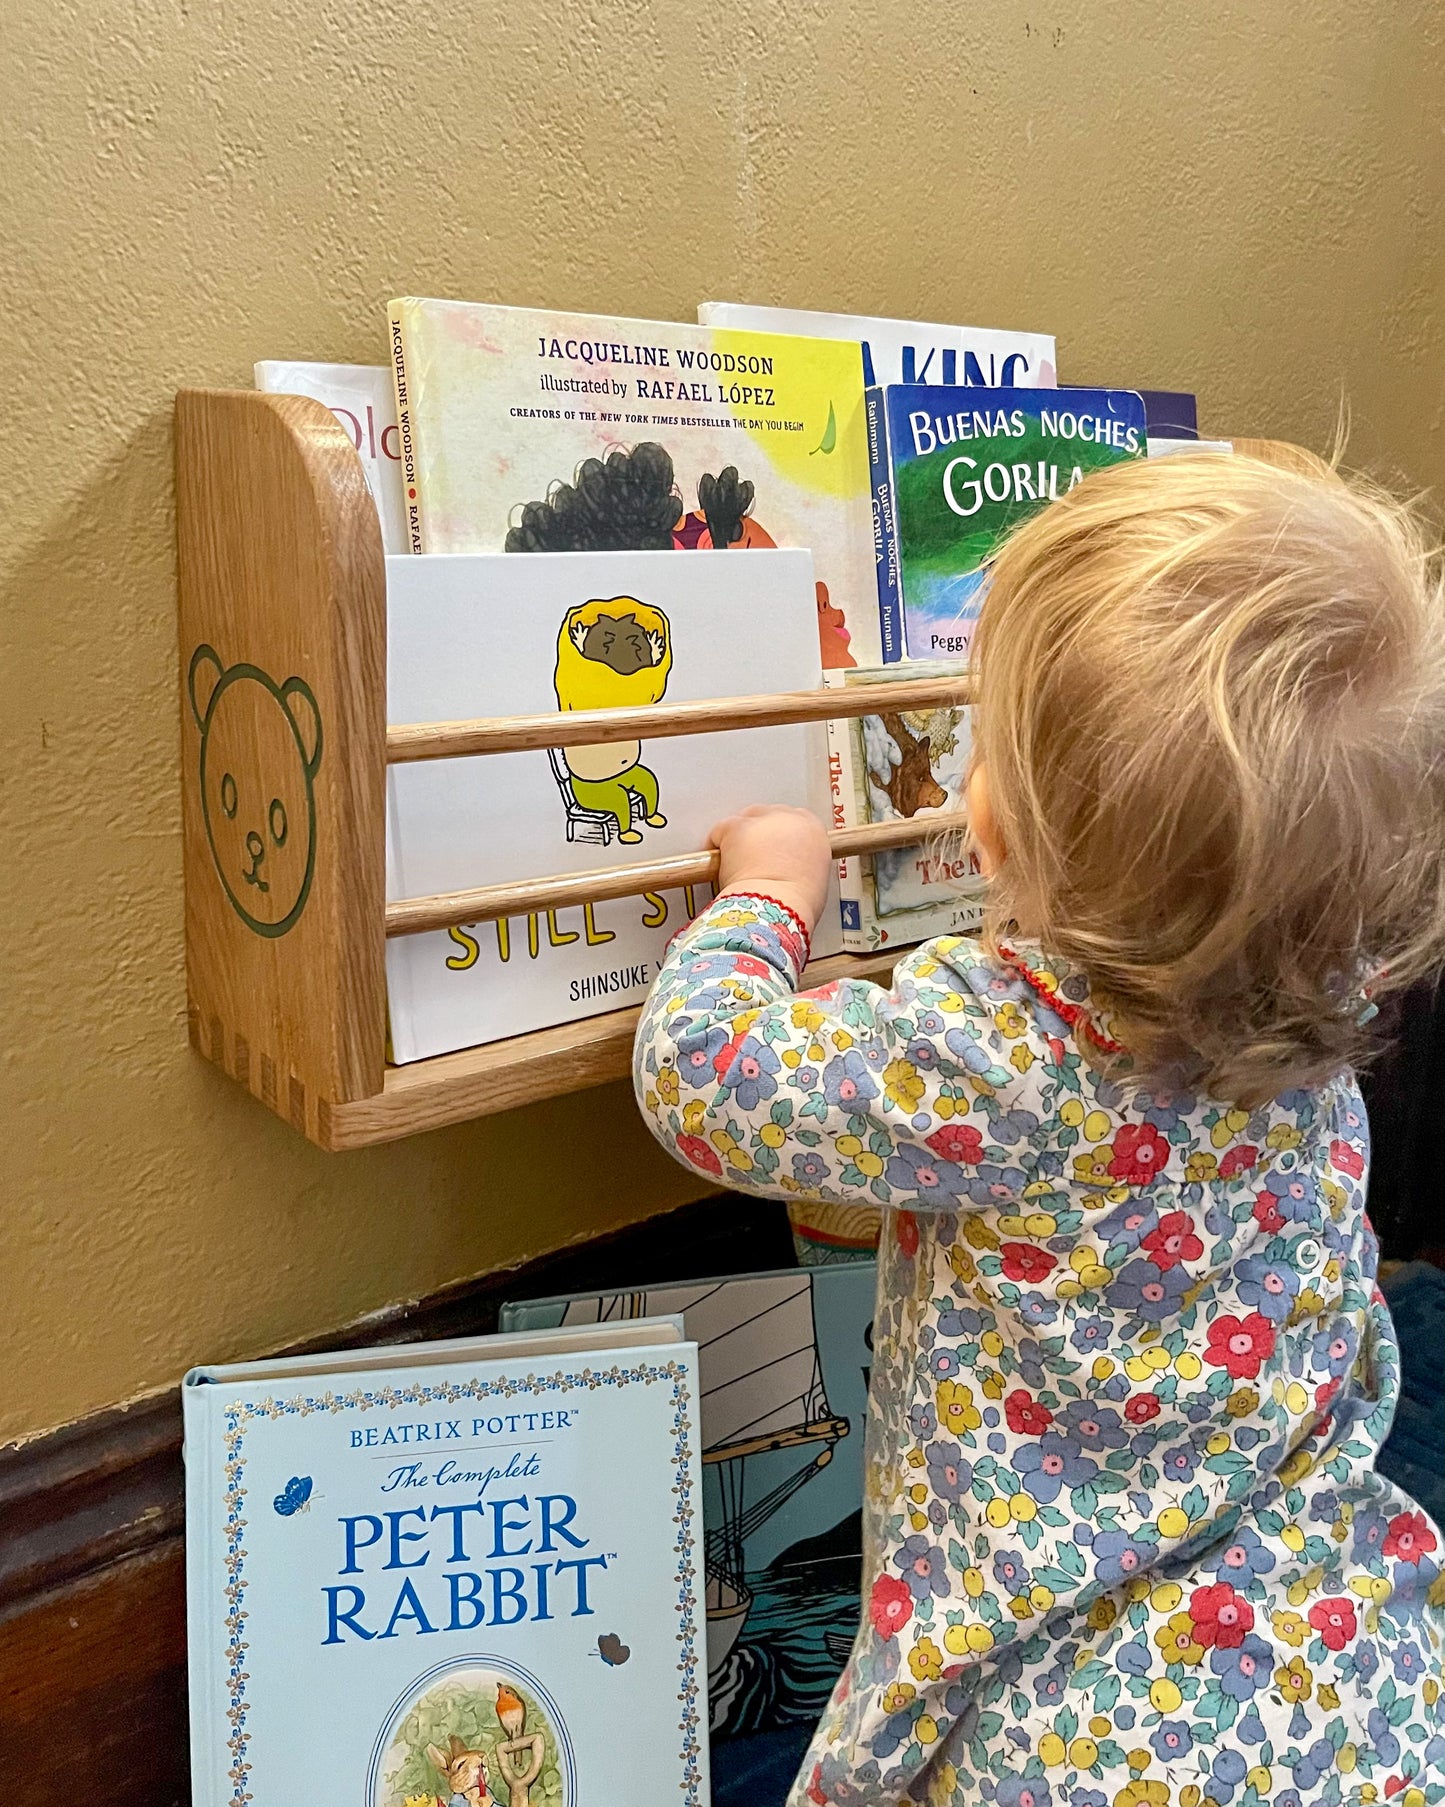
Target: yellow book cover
530,431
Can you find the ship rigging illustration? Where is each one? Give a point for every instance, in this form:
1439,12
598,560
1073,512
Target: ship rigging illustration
767,1426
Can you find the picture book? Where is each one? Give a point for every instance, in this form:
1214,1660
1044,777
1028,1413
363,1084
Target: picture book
953,473
449,1572
528,431
783,1366
493,635
908,351
892,767
363,400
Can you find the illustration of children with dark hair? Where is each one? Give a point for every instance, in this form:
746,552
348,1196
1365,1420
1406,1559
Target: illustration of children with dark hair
627,502
612,653
630,502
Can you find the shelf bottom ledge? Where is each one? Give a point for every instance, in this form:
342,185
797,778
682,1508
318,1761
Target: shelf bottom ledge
502,1076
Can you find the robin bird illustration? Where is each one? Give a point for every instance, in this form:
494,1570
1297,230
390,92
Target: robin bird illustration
510,1711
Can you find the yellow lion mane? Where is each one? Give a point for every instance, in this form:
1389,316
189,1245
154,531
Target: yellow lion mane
585,684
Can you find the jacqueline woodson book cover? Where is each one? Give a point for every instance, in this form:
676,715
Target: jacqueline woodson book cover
529,431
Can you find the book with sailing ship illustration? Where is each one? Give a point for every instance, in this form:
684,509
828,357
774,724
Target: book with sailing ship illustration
531,431
783,1367
893,767
427,1573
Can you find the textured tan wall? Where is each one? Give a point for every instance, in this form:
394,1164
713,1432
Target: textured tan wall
1244,198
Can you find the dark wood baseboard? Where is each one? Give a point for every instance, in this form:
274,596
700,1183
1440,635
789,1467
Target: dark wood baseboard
92,1520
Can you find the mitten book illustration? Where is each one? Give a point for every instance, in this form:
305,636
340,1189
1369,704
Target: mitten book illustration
899,765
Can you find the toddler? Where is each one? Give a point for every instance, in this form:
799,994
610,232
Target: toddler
1125,1545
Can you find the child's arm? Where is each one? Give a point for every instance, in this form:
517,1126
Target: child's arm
851,1091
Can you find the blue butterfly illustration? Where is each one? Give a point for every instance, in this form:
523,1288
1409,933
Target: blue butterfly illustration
294,1496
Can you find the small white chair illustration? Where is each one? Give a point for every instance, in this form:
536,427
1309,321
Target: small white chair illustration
592,826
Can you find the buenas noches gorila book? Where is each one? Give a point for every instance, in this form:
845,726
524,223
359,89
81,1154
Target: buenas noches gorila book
462,1574
954,471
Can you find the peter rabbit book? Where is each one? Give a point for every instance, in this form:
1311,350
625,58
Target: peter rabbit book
493,635
907,351
783,1367
362,399
953,473
896,766
456,1571
458,1574
527,431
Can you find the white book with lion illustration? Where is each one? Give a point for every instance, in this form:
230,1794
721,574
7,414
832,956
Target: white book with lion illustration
457,1574
507,634
895,766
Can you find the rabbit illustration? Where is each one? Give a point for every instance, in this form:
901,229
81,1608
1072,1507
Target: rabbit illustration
465,1773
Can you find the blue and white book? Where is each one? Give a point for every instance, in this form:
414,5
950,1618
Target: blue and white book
458,1574
783,1364
906,351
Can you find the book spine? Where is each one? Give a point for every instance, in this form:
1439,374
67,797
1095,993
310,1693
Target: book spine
203,1589
840,800
885,533
411,489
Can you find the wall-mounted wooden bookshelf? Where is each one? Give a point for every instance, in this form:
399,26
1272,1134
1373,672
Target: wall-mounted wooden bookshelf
283,680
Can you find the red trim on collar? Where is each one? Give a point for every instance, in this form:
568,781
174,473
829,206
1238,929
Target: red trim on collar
1074,1015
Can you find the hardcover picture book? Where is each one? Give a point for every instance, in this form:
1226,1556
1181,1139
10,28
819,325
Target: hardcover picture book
495,635
449,1572
954,472
893,767
363,400
908,351
783,1367
529,431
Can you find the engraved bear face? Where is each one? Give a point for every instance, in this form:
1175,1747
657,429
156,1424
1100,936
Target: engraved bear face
260,749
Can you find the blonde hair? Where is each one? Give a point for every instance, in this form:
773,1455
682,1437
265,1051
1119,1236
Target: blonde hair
1211,708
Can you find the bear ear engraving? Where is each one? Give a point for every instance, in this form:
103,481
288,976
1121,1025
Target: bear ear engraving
305,712
205,674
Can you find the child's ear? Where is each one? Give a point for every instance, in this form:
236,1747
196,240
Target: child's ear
982,823
206,672
304,711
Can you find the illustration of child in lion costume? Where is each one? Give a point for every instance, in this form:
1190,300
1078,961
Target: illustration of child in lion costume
613,652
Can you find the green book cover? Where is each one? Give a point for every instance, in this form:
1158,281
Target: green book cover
955,470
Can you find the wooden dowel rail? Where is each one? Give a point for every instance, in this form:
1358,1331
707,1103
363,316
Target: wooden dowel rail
523,897
594,727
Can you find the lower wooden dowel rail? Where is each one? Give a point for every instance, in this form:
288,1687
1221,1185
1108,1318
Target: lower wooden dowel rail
447,910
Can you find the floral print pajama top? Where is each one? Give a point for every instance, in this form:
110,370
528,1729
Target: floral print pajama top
1125,1545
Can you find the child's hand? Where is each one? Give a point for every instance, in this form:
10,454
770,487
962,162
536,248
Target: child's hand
782,853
